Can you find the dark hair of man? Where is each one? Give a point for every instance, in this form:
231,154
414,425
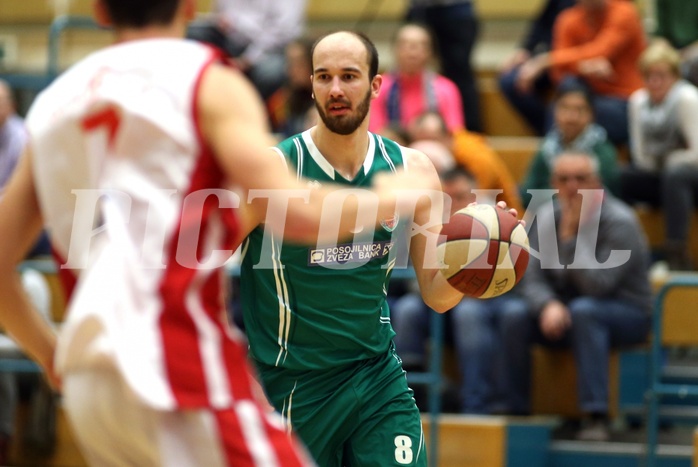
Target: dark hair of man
371,51
141,13
575,87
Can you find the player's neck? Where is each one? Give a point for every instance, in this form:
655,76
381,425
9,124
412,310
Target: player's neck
174,31
346,153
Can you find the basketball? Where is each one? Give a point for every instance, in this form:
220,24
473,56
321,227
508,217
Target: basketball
483,251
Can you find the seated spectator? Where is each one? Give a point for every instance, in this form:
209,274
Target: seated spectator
573,130
676,22
254,35
473,323
599,43
413,88
664,148
437,152
398,133
471,151
538,40
289,107
587,288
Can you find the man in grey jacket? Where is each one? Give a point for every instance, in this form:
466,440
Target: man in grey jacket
586,286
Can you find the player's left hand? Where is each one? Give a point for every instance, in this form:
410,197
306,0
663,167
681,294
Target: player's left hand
512,211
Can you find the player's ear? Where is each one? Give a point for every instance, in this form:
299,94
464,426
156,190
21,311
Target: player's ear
101,13
189,7
376,84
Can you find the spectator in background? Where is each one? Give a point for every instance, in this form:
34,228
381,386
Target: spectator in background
598,42
254,33
664,147
538,40
413,88
13,138
13,135
291,107
455,26
573,130
572,299
471,151
474,323
437,152
677,22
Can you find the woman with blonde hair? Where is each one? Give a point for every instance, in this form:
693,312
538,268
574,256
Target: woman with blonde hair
664,147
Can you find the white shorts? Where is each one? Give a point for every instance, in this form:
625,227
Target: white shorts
114,428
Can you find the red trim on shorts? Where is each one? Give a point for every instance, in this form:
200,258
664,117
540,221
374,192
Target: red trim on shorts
235,447
285,447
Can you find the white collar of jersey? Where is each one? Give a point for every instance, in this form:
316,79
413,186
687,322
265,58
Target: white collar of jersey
325,165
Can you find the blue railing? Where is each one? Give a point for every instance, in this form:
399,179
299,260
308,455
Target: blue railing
38,81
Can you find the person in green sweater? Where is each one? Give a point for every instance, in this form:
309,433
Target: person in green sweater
574,129
676,22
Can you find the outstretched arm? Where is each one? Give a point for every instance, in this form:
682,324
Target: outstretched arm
436,291
20,224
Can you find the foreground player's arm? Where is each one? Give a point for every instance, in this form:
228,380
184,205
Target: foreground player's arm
235,125
436,291
20,225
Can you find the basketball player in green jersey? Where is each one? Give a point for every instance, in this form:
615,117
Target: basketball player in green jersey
317,318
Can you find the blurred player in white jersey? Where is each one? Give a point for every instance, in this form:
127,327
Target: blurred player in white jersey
129,153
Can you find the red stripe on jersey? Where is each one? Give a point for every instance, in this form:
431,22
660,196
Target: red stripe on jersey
242,439
67,278
183,360
235,447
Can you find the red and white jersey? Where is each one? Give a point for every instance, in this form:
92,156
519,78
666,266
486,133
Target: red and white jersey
121,172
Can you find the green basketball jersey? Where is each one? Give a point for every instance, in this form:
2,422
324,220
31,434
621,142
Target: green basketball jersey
317,307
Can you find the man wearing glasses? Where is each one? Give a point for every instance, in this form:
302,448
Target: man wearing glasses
587,288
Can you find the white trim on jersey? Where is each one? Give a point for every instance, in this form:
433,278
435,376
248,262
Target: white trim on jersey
384,153
404,159
388,270
368,161
284,304
325,165
299,163
286,411
245,247
316,155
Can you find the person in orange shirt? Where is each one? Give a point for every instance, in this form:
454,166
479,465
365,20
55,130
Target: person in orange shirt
597,42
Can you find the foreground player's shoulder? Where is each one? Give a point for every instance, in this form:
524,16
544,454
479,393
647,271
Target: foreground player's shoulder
221,86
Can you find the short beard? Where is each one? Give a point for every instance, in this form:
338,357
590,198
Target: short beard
346,124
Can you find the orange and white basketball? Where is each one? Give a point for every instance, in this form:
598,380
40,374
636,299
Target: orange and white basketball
483,251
